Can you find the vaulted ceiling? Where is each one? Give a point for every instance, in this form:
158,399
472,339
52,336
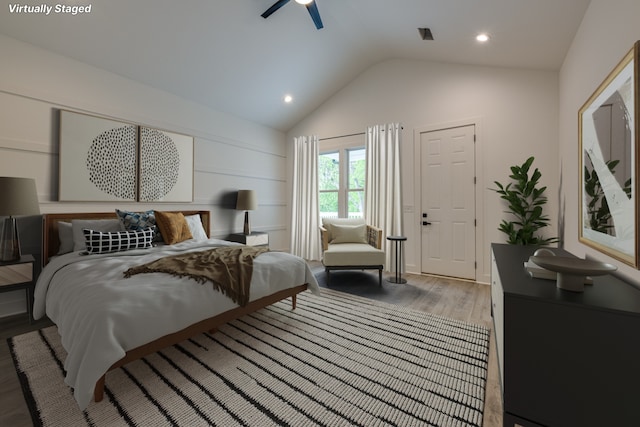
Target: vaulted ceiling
223,54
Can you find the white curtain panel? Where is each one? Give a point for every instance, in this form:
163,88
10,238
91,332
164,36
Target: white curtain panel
305,215
383,192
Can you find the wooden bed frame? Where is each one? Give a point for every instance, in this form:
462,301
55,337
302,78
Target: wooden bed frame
51,243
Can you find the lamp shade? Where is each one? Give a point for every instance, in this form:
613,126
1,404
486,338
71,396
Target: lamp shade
18,196
247,200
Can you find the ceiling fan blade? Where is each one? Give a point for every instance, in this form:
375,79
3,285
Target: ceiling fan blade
277,5
315,15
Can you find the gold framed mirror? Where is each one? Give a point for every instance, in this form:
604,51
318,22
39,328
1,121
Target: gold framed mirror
608,133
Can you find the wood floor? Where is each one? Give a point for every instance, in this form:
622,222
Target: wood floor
451,298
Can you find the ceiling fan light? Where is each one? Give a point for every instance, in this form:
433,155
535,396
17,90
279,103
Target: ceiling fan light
311,6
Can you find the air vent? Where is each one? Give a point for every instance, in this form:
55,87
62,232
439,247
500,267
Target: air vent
425,33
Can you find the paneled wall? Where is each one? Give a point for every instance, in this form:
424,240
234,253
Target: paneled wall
229,153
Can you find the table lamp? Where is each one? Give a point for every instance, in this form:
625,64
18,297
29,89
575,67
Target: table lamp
246,202
18,196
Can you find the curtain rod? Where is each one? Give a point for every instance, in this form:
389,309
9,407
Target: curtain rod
341,136
351,134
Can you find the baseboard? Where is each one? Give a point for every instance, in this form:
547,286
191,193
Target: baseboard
12,303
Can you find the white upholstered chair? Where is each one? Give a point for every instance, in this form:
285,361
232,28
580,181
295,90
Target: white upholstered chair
350,244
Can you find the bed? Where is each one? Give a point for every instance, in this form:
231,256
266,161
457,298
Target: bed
106,320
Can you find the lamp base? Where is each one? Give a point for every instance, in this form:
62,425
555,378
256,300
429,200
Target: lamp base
247,229
9,243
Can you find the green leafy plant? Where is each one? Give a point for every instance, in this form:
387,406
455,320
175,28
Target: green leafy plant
525,201
598,208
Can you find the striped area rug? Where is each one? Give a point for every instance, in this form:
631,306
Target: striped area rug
337,360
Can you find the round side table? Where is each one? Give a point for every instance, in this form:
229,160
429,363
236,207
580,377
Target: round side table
398,241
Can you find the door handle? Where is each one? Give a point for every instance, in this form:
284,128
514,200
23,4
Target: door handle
424,215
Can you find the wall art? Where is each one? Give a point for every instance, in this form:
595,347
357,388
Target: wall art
166,166
98,160
108,160
609,140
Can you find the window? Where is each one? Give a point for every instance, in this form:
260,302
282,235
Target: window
341,181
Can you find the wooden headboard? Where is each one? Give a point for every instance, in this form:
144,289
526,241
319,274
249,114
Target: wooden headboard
51,240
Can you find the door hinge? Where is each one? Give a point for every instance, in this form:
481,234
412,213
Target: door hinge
475,265
475,180
474,137
475,222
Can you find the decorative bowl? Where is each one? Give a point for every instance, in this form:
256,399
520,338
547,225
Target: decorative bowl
572,271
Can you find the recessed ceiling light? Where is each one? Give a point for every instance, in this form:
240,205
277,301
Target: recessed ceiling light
288,98
482,37
304,1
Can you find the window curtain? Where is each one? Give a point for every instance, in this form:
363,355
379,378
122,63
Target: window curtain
305,222
383,192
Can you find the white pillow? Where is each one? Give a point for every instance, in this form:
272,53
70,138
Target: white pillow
195,226
65,235
106,225
348,233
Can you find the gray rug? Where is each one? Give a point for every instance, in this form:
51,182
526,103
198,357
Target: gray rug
336,360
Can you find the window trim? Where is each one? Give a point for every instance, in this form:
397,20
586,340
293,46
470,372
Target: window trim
342,146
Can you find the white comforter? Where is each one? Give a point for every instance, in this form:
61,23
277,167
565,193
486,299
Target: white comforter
100,314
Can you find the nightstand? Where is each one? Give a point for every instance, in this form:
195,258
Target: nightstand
256,238
19,274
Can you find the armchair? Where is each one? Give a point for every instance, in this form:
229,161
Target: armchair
350,244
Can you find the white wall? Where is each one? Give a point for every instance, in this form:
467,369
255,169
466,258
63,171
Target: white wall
516,111
230,153
608,30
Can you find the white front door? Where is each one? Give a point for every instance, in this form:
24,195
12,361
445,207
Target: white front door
448,202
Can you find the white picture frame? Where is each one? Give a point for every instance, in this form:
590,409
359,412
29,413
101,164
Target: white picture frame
102,159
166,166
97,159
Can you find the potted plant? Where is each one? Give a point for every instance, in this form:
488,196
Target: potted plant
525,202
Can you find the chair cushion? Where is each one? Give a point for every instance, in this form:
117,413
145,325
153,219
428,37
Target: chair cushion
346,254
329,222
349,233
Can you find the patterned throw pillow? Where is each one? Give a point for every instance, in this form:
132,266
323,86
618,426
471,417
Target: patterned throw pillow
135,221
99,242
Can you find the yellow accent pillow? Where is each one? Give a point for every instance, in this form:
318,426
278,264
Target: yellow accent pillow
173,227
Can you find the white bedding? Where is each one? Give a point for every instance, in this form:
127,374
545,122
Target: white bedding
100,314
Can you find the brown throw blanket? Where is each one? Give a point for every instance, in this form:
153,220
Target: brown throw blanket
229,269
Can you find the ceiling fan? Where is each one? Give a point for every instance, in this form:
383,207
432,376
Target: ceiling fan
310,5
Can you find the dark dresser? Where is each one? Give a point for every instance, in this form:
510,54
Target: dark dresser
565,358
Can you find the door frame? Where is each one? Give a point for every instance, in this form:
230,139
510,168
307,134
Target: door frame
481,270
